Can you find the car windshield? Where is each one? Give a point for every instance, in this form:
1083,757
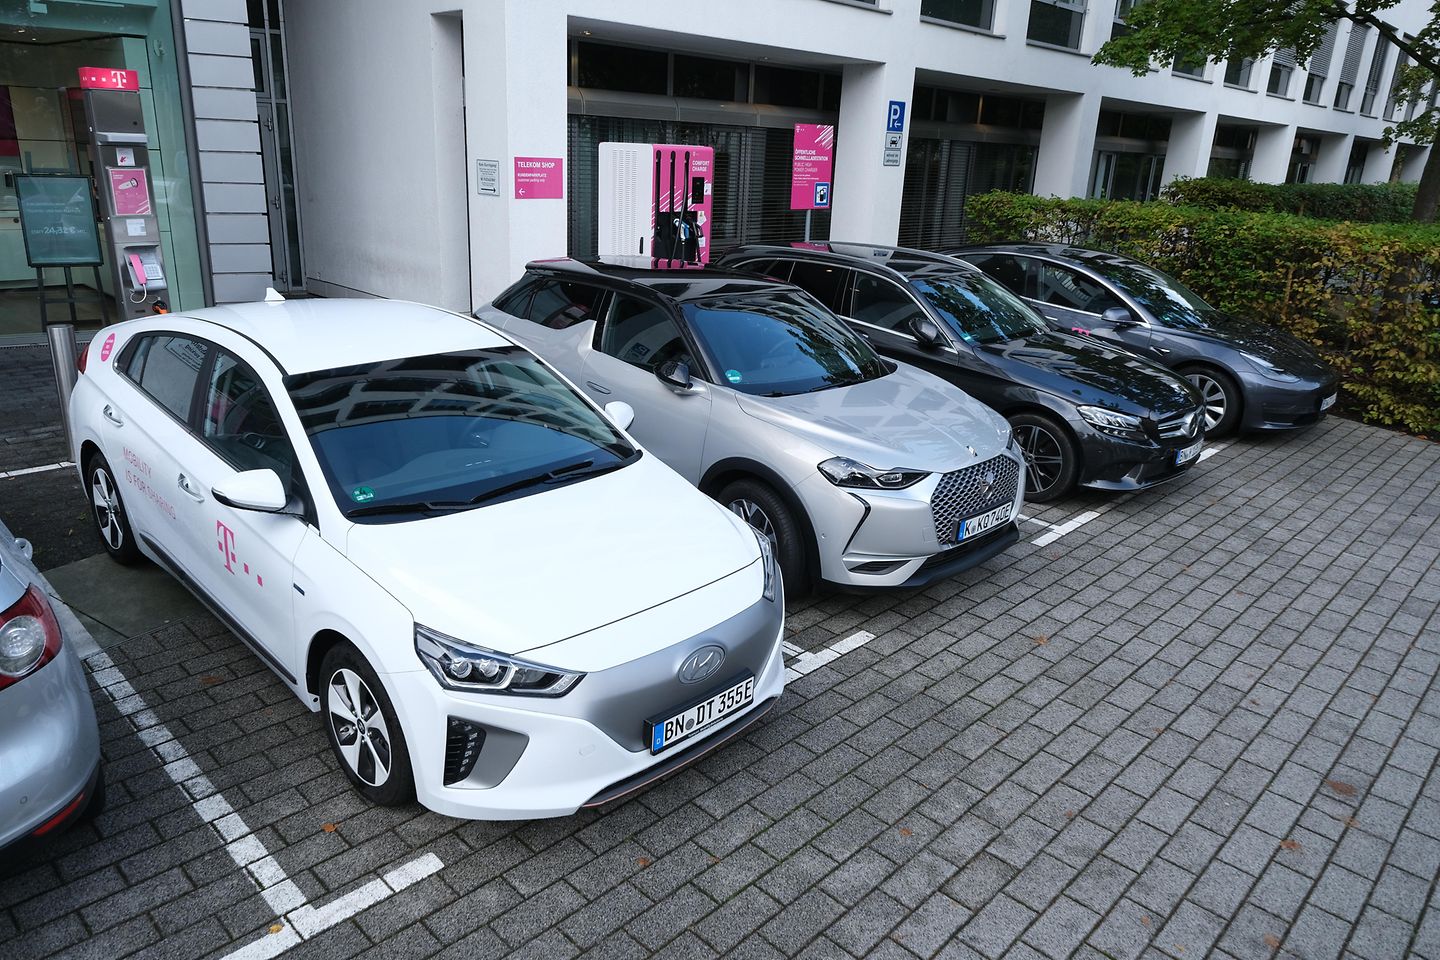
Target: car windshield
780,344
978,308
1169,301
449,431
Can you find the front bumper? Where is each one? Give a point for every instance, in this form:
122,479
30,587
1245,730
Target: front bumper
892,538
1272,405
546,757
49,747
1112,464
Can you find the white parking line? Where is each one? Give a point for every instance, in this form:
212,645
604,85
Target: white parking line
1069,526
43,468
804,661
246,849
1209,452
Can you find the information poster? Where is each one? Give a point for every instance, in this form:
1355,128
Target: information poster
131,192
57,220
810,168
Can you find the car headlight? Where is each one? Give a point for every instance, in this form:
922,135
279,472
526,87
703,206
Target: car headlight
1268,369
767,563
1112,422
463,666
844,472
1010,443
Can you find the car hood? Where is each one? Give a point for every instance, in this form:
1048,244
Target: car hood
907,419
540,569
1085,371
1269,343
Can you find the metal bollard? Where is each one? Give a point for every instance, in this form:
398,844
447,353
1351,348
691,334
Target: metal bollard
62,358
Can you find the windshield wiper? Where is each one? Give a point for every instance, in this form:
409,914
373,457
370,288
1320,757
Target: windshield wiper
416,506
571,471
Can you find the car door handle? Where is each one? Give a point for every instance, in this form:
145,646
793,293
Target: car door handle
110,414
597,387
183,482
1160,350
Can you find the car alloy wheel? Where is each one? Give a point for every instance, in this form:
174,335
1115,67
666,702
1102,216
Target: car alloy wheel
1213,394
753,514
107,509
1044,457
359,727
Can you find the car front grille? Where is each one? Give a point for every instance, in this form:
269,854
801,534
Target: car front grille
1181,428
965,493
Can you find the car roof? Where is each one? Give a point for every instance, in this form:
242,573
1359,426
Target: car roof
319,334
902,261
680,282
1095,259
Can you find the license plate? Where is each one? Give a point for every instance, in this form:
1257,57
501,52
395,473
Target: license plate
986,521
667,732
1189,453
1327,403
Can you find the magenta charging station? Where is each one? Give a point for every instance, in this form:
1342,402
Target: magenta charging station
655,201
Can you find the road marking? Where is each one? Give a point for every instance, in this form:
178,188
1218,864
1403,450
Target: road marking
1209,452
806,661
303,921
1069,526
23,471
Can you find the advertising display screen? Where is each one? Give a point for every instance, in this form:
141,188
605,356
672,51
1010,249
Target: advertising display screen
57,220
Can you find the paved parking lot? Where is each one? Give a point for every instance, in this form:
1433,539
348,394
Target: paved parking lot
1200,721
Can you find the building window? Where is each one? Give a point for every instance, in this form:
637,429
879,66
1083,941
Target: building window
1282,68
705,79
1057,22
1302,159
627,69
1342,95
1127,176
971,13
1189,68
1350,68
1237,71
1122,11
1314,84
1355,167
1319,66
1372,81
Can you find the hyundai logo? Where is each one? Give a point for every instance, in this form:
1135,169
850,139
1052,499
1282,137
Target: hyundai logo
701,664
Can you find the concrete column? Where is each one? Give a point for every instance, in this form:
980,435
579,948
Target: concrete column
1067,145
1273,147
1415,160
1192,138
1334,158
516,68
1378,163
867,193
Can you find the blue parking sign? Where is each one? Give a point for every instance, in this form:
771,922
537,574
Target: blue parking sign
895,121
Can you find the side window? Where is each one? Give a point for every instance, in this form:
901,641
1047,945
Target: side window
166,367
558,304
1067,288
774,269
822,281
240,422
643,334
882,303
1010,272
515,300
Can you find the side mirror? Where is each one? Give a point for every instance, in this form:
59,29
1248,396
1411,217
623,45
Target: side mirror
1119,317
925,331
675,374
621,412
252,490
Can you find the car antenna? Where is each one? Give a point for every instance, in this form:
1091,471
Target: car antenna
273,296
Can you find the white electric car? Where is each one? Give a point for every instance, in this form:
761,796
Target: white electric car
493,597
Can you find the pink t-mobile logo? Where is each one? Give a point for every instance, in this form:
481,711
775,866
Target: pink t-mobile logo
225,538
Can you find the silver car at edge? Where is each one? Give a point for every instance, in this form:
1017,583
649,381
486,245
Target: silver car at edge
861,471
49,741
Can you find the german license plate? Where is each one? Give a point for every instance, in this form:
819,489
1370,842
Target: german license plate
1327,403
988,520
667,732
1189,453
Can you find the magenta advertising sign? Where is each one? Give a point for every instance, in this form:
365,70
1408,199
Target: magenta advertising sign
810,170
539,178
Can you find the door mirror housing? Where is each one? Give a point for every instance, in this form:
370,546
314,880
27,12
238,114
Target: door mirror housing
252,490
675,374
926,331
621,413
1119,317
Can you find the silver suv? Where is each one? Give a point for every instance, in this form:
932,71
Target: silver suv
861,471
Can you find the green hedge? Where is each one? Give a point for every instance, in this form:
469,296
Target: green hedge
1361,202
1367,296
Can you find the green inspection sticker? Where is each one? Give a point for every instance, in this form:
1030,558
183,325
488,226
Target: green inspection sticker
733,376
361,494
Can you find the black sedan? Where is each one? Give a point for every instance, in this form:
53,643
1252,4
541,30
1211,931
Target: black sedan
1082,411
1253,376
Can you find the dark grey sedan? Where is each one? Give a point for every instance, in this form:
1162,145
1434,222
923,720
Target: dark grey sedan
1253,376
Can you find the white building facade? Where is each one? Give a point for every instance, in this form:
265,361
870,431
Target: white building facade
408,117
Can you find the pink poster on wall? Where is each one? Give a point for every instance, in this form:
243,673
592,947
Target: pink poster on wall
131,192
810,169
539,178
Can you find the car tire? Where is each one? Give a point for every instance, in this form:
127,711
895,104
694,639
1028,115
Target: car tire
107,509
1052,461
96,804
372,755
765,510
1221,398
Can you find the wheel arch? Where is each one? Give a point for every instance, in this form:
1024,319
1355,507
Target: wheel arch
322,643
1206,365
724,472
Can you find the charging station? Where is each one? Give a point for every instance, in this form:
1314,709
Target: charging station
120,153
656,201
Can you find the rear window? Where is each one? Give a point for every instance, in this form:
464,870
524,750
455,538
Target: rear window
167,366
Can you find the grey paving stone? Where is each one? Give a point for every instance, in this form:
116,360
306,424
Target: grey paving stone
997,925
1061,928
